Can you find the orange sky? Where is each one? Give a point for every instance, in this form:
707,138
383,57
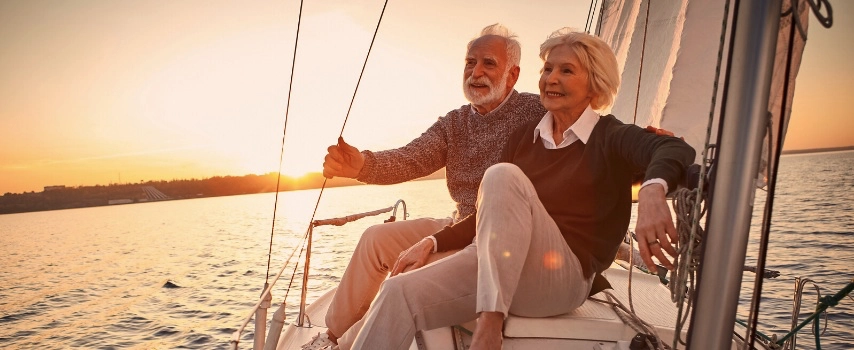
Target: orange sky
99,91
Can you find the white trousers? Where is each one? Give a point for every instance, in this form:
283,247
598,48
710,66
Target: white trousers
373,258
519,264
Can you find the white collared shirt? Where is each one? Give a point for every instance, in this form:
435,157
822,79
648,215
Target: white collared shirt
579,131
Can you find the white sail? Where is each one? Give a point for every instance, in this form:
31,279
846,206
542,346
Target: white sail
679,58
617,25
669,63
779,77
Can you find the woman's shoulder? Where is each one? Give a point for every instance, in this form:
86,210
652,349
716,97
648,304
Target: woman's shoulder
609,123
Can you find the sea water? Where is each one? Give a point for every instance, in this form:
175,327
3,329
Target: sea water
186,273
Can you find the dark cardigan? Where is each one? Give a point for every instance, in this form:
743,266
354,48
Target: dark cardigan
586,188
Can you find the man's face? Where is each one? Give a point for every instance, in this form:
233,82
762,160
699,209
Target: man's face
487,76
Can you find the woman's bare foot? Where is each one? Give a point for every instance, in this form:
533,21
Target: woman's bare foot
487,335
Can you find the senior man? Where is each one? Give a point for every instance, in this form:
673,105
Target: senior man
466,141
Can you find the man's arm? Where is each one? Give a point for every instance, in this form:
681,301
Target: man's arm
420,157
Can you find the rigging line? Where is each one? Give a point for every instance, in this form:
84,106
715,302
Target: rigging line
771,168
347,117
640,70
284,133
363,70
267,289
588,25
599,23
708,148
296,266
325,180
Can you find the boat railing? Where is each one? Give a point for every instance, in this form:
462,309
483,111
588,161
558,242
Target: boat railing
259,311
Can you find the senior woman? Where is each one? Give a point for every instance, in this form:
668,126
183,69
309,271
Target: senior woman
549,218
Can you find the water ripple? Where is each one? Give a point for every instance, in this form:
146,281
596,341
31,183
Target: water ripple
184,274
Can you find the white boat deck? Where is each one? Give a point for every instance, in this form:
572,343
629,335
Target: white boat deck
591,326
596,321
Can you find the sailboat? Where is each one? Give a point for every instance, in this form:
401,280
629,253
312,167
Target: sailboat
721,75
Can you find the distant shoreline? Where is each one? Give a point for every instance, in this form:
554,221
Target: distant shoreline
62,197
817,150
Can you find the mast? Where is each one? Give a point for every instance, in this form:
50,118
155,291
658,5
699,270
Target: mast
738,155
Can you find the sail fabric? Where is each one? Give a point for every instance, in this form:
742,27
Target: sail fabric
669,64
694,96
778,78
668,76
617,25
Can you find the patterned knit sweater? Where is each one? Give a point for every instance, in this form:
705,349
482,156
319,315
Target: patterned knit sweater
463,141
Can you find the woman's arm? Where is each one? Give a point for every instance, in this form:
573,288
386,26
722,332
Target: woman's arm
663,157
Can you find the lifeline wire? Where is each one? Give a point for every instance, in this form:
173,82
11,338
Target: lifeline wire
772,164
322,187
640,70
589,24
363,69
282,153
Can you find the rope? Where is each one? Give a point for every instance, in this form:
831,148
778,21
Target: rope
344,124
631,272
236,335
773,160
823,304
688,206
683,279
281,156
282,153
825,20
350,218
631,319
347,117
377,29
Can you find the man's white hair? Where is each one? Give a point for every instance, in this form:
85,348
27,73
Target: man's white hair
514,48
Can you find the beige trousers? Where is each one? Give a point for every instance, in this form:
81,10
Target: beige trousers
373,258
519,264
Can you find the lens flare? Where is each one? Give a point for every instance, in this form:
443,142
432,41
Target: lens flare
552,260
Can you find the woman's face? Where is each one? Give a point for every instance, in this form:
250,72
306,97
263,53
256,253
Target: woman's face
564,83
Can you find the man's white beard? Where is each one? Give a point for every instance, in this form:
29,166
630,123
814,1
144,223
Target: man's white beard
494,94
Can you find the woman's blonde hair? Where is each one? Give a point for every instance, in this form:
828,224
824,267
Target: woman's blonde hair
594,55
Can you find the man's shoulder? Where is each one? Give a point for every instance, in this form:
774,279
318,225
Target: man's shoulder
527,98
529,105
455,115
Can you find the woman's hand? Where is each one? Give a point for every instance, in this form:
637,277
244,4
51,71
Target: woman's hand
655,230
342,160
413,258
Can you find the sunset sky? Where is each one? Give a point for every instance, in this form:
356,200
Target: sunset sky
103,91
